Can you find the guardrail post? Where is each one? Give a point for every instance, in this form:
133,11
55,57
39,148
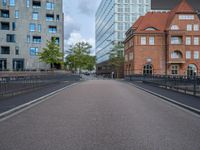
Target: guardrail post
195,86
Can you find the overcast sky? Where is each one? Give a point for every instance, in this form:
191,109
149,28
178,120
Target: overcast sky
80,21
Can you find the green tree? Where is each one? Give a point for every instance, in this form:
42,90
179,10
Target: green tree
90,62
117,58
51,53
79,56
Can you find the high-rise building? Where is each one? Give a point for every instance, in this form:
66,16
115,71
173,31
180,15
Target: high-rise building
113,19
25,26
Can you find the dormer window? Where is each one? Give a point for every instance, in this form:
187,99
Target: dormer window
150,29
174,27
186,17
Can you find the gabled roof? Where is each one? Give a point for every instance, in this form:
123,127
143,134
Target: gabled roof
156,20
183,7
161,20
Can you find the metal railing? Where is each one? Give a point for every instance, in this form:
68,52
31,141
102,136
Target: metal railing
184,84
13,85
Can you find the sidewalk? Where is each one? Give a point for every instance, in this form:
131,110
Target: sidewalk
8,103
188,100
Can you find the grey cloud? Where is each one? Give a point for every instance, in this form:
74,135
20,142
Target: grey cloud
86,7
69,28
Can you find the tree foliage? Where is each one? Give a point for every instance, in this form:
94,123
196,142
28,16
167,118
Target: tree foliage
79,57
51,53
117,58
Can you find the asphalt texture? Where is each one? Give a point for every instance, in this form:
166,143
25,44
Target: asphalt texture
189,100
102,115
7,103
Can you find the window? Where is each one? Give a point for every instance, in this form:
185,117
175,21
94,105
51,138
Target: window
148,69
150,29
32,27
5,13
57,40
174,27
174,69
16,50
27,3
176,40
34,51
196,27
186,17
39,28
16,14
10,38
151,40
131,56
49,17
176,55
192,70
50,6
3,64
13,26
5,26
12,2
37,39
36,4
5,50
143,40
196,40
189,27
196,54
35,16
28,39
188,41
188,54
57,17
4,2
52,29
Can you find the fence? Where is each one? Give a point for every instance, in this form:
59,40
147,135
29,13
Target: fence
13,85
184,84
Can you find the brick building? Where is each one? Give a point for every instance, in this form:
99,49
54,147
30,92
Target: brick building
164,43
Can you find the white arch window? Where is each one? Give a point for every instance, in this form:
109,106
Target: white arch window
150,29
176,55
174,27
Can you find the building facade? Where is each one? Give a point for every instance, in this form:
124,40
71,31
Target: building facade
113,19
25,26
165,43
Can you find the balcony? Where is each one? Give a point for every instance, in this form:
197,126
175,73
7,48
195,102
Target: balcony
176,58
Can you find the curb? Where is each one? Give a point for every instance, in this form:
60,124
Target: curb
23,107
194,110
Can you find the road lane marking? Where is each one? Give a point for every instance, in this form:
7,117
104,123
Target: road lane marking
17,110
179,105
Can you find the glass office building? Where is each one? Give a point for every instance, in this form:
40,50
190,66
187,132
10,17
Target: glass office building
113,19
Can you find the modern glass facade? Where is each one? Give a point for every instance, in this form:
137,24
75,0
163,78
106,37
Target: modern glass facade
113,19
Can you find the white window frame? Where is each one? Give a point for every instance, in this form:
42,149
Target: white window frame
196,55
196,40
189,27
143,40
196,27
151,40
188,55
188,41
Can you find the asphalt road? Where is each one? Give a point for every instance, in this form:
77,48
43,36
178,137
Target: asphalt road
102,115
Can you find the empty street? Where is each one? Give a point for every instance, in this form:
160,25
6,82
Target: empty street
102,115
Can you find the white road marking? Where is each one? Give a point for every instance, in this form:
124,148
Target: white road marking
19,109
172,102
